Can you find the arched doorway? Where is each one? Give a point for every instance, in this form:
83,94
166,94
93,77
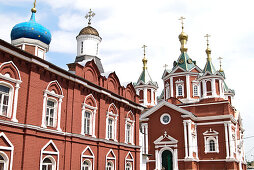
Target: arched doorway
167,162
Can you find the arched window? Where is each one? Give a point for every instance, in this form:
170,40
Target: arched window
87,122
128,166
4,100
180,90
86,165
110,128
195,90
48,164
3,162
211,145
51,112
82,46
110,166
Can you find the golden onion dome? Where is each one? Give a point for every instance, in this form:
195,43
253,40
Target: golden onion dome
183,36
89,31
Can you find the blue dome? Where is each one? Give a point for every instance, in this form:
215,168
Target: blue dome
31,29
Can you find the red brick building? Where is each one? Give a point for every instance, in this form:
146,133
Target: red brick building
194,126
53,119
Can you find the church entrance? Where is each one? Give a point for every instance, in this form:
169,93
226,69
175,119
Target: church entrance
167,163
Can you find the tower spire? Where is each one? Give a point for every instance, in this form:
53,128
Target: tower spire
183,37
144,60
89,16
221,70
208,50
33,10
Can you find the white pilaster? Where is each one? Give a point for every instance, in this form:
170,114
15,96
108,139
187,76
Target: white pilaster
230,140
189,139
157,159
44,110
94,118
15,104
146,136
175,157
196,142
145,96
220,86
59,114
115,128
226,139
185,139
171,87
188,86
204,89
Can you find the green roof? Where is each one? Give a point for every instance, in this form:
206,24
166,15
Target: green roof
146,78
185,62
209,67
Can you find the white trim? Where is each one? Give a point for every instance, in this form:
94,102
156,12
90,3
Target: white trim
10,148
11,62
110,159
87,156
162,116
131,161
113,116
49,153
73,78
208,136
10,101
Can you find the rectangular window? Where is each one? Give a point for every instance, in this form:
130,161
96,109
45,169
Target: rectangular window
128,133
4,100
195,90
87,123
50,113
180,90
82,45
110,128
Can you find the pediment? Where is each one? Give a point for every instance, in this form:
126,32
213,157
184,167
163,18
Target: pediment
165,139
210,132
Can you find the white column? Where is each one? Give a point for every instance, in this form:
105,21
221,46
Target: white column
196,142
185,139
145,96
213,88
204,89
226,139
59,114
146,136
171,87
157,164
190,140
44,110
15,104
115,129
94,118
188,86
175,160
230,140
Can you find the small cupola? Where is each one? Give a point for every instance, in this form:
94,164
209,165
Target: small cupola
31,36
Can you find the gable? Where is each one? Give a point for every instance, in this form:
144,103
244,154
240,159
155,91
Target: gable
10,69
166,104
165,139
50,148
4,141
87,152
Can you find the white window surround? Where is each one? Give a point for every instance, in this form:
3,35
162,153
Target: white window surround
167,91
10,99
195,91
5,160
86,165
48,155
113,117
110,159
92,110
53,163
51,95
129,160
8,161
48,115
87,157
12,112
163,116
208,136
130,122
110,165
128,166
179,83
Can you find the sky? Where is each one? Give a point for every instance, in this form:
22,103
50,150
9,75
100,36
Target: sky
125,26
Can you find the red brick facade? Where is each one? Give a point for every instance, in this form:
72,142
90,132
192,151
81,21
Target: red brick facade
33,135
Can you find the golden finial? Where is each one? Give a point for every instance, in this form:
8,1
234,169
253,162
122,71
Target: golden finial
90,15
34,8
183,37
208,50
144,59
221,70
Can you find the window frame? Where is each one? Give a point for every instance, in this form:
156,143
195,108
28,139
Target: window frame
10,96
53,162
111,166
89,164
193,89
55,112
85,126
208,136
113,117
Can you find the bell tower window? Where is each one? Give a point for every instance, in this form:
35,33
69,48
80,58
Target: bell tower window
82,46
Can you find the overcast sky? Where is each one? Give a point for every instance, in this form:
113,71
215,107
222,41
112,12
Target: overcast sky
126,25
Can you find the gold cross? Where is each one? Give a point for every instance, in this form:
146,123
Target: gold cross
220,58
165,66
144,46
207,39
89,15
182,18
34,3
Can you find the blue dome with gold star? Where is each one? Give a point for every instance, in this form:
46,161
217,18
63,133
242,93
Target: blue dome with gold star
32,30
